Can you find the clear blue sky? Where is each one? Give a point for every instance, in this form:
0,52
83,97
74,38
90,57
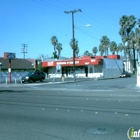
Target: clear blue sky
34,22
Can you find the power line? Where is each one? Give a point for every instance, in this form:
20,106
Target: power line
44,3
64,3
97,26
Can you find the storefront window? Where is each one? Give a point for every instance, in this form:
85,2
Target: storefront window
91,70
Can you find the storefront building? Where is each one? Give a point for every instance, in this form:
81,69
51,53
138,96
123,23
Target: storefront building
86,66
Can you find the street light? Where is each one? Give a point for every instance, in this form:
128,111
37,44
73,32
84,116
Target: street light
0,71
88,25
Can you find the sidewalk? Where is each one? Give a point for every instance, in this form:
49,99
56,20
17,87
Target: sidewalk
30,84
47,81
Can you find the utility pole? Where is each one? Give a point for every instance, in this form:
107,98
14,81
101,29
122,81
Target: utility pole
73,38
24,49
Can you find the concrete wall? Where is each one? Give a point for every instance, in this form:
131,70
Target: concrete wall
112,68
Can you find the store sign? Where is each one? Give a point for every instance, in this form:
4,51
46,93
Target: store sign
86,63
67,63
9,55
50,63
93,60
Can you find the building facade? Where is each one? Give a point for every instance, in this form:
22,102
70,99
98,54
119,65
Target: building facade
86,66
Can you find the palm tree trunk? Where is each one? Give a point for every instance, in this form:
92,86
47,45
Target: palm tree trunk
134,60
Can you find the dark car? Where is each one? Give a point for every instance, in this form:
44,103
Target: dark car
33,77
125,74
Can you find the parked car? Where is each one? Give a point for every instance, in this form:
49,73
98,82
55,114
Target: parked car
33,77
125,74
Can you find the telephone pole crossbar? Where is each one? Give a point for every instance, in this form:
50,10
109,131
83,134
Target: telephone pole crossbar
73,38
24,49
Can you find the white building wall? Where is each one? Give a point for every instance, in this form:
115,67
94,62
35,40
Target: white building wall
93,72
128,66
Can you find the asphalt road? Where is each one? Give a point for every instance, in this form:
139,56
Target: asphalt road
88,84
60,112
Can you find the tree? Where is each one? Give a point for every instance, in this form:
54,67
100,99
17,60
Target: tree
59,49
54,42
94,50
138,22
101,49
138,41
74,46
127,24
87,53
77,51
120,46
117,49
113,47
138,51
105,41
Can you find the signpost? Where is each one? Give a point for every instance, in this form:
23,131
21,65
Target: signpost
9,56
58,69
0,72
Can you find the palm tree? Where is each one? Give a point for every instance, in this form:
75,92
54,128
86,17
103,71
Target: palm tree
113,47
87,53
54,42
127,24
117,49
133,43
94,50
138,42
77,51
138,22
120,46
59,48
74,46
138,51
101,49
105,41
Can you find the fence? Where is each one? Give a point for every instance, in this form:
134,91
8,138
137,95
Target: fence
15,77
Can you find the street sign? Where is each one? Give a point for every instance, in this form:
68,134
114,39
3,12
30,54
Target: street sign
9,55
58,67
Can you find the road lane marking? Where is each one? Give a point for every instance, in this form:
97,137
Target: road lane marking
96,112
126,114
